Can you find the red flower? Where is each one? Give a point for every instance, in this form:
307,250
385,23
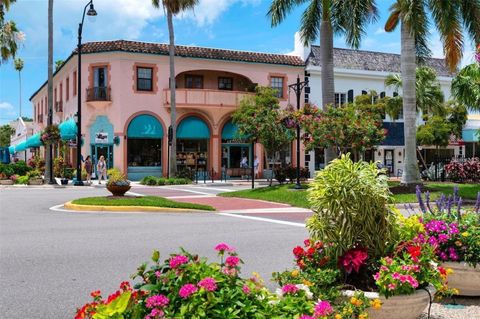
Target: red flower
414,252
125,285
298,251
310,251
95,293
353,259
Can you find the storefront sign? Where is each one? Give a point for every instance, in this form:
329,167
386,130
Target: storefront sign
234,141
101,138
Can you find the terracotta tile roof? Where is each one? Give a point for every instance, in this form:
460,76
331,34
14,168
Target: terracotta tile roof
371,61
191,52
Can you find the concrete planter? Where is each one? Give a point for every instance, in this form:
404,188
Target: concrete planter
6,182
399,307
465,278
35,181
118,190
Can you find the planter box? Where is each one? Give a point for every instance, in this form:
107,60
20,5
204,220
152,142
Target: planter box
399,307
118,190
6,182
35,181
465,278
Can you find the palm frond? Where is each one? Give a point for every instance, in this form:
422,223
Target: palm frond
414,15
311,20
352,16
466,86
279,9
394,80
470,11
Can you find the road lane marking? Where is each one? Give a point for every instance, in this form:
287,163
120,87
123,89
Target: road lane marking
275,210
268,220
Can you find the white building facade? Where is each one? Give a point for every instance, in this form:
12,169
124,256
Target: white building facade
357,72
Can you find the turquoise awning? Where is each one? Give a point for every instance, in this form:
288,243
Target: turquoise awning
230,132
193,128
470,135
11,149
33,141
20,147
145,126
68,130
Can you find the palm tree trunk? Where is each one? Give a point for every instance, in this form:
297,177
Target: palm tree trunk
411,174
328,85
20,90
173,111
48,148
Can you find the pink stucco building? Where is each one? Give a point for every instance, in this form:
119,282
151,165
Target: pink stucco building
125,103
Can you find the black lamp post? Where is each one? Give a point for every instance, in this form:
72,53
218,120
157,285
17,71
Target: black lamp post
297,88
91,12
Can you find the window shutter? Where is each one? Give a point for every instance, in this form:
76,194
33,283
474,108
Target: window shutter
382,95
350,96
395,94
364,92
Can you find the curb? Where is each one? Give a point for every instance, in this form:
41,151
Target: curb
131,209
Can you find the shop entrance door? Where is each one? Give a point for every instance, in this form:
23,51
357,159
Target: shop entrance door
389,163
232,155
102,149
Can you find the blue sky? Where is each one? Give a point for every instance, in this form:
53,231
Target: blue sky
230,24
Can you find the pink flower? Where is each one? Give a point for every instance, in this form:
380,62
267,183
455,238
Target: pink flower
323,308
391,286
396,276
177,261
187,290
289,289
229,271
376,276
232,261
383,268
157,301
208,283
246,290
222,247
158,274
353,259
154,314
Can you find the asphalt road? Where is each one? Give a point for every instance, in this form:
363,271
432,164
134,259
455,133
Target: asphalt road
51,260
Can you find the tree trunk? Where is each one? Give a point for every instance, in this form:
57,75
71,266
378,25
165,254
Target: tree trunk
411,174
20,90
173,110
48,148
328,85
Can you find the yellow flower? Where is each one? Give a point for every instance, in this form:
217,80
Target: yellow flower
295,273
356,302
307,283
363,316
338,316
458,243
465,234
376,303
455,291
449,271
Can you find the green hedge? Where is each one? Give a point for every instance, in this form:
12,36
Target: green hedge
160,181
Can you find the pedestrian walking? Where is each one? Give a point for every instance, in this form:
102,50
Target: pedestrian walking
255,165
101,169
88,168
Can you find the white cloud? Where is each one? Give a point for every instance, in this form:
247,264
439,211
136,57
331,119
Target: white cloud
380,31
5,106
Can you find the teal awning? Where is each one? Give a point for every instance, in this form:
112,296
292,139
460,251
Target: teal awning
230,132
11,149
33,141
470,135
145,126
68,130
193,128
20,147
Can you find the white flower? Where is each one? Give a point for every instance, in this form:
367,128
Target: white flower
279,292
434,264
305,288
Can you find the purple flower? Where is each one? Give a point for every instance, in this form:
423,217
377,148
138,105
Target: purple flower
421,204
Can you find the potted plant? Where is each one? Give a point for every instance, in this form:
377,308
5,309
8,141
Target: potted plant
50,135
117,183
456,235
34,177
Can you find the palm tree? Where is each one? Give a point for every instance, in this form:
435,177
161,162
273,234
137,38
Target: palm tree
450,18
466,86
19,67
428,92
324,18
173,7
10,36
48,150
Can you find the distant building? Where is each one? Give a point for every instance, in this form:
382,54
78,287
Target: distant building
18,148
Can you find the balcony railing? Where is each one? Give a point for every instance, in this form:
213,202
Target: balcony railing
98,94
209,98
59,106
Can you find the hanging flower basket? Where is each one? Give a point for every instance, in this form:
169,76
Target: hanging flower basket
50,135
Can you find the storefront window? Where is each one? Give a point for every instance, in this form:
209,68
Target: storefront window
144,152
192,154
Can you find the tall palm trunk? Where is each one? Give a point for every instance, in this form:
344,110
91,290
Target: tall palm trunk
173,109
20,90
411,174
48,149
328,85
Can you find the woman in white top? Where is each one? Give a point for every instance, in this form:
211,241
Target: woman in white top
101,169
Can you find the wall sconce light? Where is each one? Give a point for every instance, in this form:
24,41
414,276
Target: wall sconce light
116,140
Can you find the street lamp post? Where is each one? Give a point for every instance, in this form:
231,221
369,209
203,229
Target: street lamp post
298,88
91,12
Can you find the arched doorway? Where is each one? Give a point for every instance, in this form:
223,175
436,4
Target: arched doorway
236,151
144,147
193,144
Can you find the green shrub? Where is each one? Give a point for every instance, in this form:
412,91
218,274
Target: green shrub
149,180
182,181
34,174
84,174
160,181
6,170
170,181
22,180
21,168
351,204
